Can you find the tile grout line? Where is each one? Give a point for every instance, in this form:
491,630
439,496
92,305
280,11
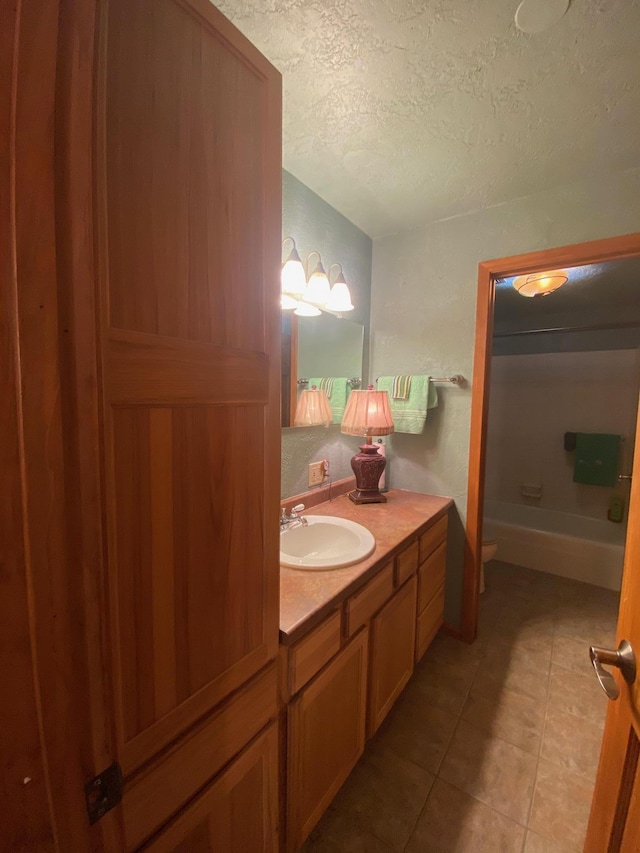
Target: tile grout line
444,755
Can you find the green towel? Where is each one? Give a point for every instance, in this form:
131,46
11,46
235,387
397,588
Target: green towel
410,415
337,394
596,459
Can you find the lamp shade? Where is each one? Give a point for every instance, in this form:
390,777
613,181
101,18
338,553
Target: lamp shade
339,300
367,413
318,288
313,408
540,283
292,277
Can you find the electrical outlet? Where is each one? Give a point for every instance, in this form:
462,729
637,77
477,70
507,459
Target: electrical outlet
317,473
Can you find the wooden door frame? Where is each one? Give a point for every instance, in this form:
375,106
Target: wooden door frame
593,252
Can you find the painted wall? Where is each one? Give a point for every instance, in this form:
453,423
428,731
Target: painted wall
534,400
315,225
423,317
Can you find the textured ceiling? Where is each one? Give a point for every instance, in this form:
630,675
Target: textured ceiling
400,112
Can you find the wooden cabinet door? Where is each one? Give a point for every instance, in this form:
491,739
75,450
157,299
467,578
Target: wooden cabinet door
393,633
237,813
326,737
148,162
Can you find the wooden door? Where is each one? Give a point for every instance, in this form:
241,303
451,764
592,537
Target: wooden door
186,331
147,219
614,825
25,822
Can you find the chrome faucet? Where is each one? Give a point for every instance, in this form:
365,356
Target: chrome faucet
287,521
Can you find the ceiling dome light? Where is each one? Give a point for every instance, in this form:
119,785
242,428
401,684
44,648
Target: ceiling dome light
292,278
535,16
540,283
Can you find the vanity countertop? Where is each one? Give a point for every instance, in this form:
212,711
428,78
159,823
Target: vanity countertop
307,596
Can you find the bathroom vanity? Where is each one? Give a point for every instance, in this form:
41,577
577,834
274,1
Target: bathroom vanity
349,640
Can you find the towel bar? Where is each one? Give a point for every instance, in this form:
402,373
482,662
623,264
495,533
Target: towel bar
456,379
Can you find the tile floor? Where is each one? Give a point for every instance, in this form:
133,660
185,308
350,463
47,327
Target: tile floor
492,748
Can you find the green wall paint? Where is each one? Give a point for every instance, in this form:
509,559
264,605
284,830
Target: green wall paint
423,317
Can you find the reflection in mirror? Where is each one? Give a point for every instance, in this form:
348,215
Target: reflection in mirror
324,347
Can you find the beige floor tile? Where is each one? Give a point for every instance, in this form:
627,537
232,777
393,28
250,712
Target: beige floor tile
338,833
516,655
561,805
572,742
464,657
453,822
441,685
511,673
417,731
384,795
491,770
589,624
572,654
539,844
577,694
513,717
531,632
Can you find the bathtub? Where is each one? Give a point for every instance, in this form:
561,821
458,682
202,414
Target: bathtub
572,546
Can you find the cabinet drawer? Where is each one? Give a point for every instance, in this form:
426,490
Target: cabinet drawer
407,563
431,575
364,604
429,621
432,537
310,654
237,812
165,786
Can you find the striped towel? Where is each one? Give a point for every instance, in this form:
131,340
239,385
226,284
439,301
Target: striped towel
326,384
401,387
410,415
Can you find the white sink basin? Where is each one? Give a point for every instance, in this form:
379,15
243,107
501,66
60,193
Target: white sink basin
325,542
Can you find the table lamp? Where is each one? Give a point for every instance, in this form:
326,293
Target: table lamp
367,413
313,408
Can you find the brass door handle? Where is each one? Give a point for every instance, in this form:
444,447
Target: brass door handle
623,658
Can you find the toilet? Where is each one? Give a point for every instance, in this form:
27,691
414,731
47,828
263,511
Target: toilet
489,550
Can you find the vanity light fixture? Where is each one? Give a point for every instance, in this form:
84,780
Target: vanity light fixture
318,288
305,309
540,283
313,408
307,298
288,303
339,301
367,413
293,282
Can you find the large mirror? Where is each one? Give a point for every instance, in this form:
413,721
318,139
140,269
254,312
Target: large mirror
315,348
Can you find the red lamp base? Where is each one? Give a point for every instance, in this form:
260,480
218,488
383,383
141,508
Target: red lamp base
368,466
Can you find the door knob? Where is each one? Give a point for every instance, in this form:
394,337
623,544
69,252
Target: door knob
623,658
